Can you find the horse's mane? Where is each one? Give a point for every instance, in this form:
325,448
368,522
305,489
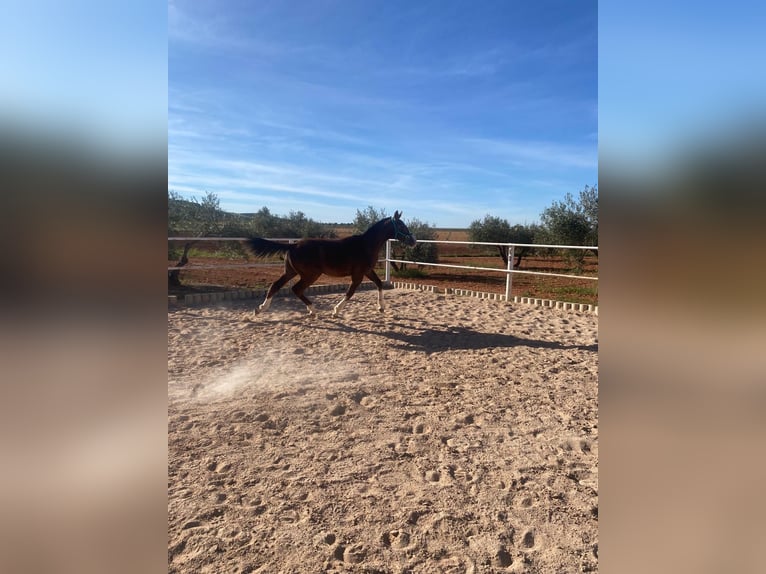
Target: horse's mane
377,225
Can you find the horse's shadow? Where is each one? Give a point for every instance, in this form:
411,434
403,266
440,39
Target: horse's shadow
409,337
447,338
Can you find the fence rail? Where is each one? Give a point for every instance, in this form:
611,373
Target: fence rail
506,244
509,271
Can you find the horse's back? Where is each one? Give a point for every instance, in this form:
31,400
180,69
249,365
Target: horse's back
337,257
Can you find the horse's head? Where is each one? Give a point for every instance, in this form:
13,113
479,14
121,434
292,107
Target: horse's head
400,230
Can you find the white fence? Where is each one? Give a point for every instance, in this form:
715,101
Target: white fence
509,271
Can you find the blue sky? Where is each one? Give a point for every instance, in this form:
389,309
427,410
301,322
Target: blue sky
445,110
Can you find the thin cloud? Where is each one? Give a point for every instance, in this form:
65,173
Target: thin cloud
384,108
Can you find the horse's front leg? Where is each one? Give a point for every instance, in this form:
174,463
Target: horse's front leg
355,281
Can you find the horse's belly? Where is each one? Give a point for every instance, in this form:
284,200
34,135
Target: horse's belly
338,272
345,268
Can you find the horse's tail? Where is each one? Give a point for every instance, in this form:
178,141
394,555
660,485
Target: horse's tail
263,247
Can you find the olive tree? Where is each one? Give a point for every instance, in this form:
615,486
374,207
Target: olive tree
193,217
493,229
573,222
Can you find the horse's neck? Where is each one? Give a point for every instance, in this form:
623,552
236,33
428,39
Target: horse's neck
376,235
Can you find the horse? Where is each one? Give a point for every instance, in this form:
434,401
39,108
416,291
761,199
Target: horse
353,256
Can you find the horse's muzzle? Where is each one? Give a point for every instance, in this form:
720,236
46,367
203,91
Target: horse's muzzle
410,241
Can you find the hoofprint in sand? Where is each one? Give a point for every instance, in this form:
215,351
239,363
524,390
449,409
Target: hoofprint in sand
444,435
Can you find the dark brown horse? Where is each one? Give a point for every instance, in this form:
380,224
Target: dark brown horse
355,256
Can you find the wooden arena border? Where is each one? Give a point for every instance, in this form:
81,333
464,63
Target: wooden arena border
239,294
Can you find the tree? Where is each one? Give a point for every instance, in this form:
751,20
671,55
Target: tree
263,223
521,234
573,222
364,219
493,229
196,218
589,204
298,225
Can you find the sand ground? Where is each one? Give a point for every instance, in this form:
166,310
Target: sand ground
447,434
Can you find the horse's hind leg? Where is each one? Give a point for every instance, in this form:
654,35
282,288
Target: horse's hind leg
300,287
379,284
355,281
276,286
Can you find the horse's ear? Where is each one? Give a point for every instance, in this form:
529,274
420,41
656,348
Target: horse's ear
397,215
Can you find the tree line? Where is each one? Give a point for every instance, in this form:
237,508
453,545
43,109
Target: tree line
204,217
568,222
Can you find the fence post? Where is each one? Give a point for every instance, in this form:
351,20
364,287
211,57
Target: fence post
508,280
388,261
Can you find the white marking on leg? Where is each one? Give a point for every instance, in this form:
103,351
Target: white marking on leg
380,300
265,305
339,306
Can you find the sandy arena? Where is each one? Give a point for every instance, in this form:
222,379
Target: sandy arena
448,434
